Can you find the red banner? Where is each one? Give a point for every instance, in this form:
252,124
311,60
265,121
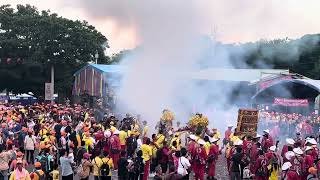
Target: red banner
291,102
268,83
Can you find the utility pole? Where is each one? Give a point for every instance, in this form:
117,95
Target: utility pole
52,83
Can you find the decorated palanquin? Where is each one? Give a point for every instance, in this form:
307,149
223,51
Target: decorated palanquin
247,122
166,121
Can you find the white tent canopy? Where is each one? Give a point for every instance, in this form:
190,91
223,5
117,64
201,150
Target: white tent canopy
244,75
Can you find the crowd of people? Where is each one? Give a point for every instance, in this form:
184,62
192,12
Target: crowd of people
53,141
287,124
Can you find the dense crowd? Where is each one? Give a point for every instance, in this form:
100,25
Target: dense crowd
53,141
288,124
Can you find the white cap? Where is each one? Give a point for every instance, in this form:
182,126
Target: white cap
289,155
214,140
266,131
107,134
201,142
116,132
273,148
230,125
193,137
238,143
308,148
298,151
258,136
312,141
290,141
286,166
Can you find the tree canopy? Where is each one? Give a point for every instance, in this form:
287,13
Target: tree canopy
32,41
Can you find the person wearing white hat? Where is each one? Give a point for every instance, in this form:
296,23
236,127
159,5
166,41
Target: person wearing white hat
273,148
288,156
199,157
212,157
288,172
308,158
266,141
115,147
287,147
297,163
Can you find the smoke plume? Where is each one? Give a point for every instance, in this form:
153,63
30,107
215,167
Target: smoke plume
172,44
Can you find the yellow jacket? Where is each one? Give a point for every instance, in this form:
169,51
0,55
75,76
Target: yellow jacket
160,140
27,175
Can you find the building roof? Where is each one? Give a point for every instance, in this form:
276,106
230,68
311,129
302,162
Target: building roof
244,75
102,68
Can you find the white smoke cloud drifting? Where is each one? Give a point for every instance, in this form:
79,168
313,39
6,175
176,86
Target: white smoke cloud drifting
170,34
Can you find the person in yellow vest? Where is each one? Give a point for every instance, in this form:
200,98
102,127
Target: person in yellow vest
145,131
160,139
146,155
55,174
123,135
112,128
97,163
20,173
89,141
216,135
38,173
109,161
177,139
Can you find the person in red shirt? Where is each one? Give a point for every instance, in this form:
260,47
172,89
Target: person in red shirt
288,173
227,134
298,163
260,168
272,155
199,158
267,140
313,143
212,158
115,147
290,143
254,151
191,146
308,160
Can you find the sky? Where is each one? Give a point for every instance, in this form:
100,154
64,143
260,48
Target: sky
229,21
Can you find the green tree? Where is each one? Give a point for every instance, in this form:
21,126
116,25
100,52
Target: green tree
32,41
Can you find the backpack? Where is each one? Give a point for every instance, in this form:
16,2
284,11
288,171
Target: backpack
247,173
105,169
44,164
138,165
41,177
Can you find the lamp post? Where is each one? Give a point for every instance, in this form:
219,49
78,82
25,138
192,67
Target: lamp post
96,56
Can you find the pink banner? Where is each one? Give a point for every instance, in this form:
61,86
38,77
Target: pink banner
291,102
268,83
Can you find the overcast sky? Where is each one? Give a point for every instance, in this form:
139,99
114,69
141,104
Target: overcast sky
231,21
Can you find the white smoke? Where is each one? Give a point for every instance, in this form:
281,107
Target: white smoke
170,35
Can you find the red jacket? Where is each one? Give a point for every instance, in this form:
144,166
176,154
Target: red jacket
298,165
292,175
227,134
200,152
261,163
214,151
115,142
308,160
267,142
254,153
284,150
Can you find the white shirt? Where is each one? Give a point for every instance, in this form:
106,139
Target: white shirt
30,142
183,165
